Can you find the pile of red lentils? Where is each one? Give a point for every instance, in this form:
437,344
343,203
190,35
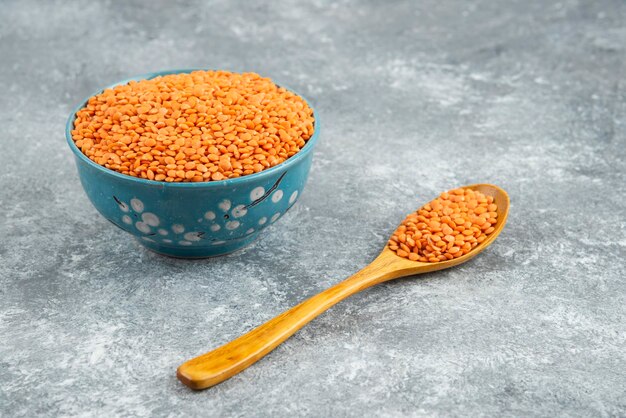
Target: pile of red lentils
446,228
201,126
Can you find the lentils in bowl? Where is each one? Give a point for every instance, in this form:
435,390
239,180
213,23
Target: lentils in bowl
209,156
198,126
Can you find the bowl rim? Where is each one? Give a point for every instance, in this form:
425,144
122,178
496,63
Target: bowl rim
294,159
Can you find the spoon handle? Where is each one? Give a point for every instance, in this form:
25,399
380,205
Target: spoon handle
224,362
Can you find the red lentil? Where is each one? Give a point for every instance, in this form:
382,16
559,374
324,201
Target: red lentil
201,126
446,228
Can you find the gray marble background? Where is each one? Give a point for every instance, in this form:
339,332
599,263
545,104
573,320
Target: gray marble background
414,98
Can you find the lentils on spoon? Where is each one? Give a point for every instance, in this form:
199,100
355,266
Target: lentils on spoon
445,228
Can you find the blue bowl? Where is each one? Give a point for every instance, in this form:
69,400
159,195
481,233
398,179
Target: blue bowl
193,220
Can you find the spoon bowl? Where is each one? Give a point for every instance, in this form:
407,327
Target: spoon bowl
409,268
222,363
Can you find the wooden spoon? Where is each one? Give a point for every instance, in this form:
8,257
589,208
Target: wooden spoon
224,362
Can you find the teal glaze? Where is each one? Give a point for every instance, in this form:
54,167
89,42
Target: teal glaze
193,220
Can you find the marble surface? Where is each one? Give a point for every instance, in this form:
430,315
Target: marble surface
414,98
